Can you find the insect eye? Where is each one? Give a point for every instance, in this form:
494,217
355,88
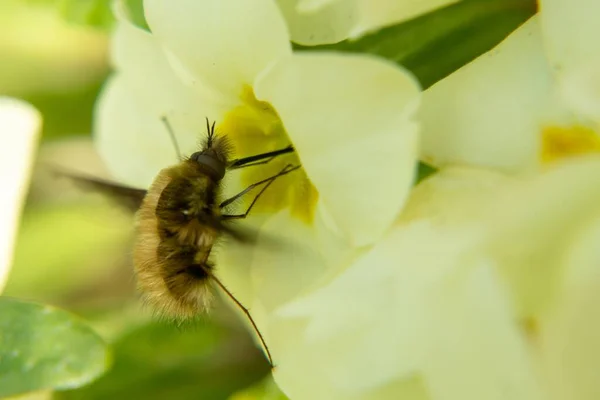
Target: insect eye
196,156
215,167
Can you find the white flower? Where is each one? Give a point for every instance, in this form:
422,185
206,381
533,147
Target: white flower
532,99
349,118
20,125
484,289
340,111
314,22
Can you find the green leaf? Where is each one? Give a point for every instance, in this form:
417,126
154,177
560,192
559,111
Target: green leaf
42,347
424,171
96,13
162,361
134,10
437,44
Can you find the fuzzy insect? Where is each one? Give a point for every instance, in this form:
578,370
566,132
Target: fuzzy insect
179,219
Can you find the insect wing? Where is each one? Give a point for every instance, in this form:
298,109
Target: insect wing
129,197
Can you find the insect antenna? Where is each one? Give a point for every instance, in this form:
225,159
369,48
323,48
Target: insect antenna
211,132
172,135
247,312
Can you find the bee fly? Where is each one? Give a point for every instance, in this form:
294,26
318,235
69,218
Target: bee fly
178,220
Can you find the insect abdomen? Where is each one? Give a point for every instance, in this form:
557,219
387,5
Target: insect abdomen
171,253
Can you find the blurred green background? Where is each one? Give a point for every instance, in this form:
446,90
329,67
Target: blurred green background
73,247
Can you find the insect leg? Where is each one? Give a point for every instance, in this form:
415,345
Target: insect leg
288,168
247,312
258,159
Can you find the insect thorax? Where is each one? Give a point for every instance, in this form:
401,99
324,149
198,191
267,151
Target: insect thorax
187,210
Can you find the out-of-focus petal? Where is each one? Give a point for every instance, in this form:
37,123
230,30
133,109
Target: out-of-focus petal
415,305
129,132
307,6
490,112
133,142
376,14
313,24
569,332
20,125
138,56
285,259
454,196
471,324
292,257
530,224
570,32
350,119
223,43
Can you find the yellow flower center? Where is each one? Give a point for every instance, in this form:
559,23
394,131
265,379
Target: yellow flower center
254,127
562,142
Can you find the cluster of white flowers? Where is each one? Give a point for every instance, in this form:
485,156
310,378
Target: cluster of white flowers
481,282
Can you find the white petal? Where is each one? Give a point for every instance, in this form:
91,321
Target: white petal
20,125
476,348
455,196
368,327
570,331
376,14
132,142
530,224
313,24
287,261
129,132
422,303
286,258
570,32
307,6
224,43
350,119
138,56
490,112
580,87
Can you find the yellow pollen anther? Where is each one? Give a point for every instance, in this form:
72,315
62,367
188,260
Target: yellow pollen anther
254,127
562,142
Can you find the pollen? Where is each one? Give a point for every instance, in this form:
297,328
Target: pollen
254,127
563,142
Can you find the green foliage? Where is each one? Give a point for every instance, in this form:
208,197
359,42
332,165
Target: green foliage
436,44
424,171
135,12
66,113
162,361
65,237
42,347
96,13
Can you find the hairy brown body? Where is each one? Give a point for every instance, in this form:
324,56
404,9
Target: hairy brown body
178,220
176,226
